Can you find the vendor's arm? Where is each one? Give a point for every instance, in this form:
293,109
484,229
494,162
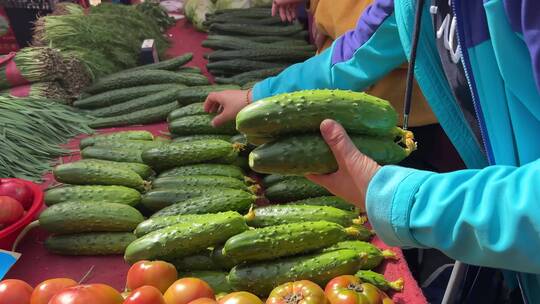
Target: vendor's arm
487,217
355,61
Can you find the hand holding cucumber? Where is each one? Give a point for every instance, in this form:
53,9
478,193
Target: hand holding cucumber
286,9
227,104
355,171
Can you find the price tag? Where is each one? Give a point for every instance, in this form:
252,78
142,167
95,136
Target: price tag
7,260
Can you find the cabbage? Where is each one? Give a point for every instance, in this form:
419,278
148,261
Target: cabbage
196,10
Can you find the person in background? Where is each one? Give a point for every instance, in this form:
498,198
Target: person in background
478,64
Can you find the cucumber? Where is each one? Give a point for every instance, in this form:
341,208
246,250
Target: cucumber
224,18
131,135
117,96
199,93
246,77
189,138
189,110
77,217
102,194
156,223
241,162
310,154
230,159
332,201
246,147
190,69
293,189
178,154
269,54
184,239
256,30
112,154
210,202
271,179
266,39
259,140
139,145
196,262
199,124
261,278
254,12
242,65
379,281
273,242
137,104
151,115
169,64
84,173
143,170
218,258
158,199
249,85
201,181
144,77
216,279
303,111
371,255
92,243
285,214
206,169
235,45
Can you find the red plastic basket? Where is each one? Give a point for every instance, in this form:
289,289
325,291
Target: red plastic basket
10,233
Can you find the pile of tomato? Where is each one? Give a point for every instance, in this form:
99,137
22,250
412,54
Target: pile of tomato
15,198
156,283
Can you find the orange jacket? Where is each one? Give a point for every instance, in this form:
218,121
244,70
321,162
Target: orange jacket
332,19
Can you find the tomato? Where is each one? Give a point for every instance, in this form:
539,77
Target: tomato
186,290
241,297
300,292
145,295
10,210
47,289
158,274
203,301
349,289
19,192
88,294
15,291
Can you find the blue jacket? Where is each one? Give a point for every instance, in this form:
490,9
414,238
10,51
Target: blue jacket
488,215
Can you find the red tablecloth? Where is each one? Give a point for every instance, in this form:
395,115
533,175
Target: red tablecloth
36,264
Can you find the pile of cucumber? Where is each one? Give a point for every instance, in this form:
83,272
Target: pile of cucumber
286,128
251,45
141,95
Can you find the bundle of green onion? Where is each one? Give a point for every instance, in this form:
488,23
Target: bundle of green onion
39,90
33,64
116,32
67,8
75,76
154,10
31,131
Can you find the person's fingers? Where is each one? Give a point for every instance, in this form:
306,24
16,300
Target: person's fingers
211,101
283,13
221,118
339,142
274,8
288,12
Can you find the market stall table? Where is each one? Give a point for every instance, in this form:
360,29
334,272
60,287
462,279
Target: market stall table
37,265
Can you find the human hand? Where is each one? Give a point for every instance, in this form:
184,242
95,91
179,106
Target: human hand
351,180
227,104
286,9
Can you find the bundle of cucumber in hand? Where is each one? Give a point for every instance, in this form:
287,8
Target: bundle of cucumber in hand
286,128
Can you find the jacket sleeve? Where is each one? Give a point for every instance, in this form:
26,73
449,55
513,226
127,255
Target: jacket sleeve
487,217
524,19
355,61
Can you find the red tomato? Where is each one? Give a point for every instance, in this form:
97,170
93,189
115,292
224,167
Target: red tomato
186,290
158,274
241,297
203,301
10,210
47,289
19,192
305,291
348,289
15,291
88,294
145,295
